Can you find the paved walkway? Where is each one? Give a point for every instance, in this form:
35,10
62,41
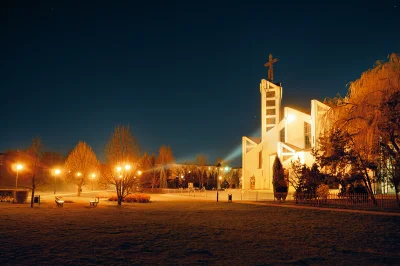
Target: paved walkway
223,198
319,208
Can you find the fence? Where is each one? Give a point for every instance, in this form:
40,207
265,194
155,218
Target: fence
382,201
187,192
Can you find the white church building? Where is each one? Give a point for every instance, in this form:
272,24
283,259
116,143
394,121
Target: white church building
290,135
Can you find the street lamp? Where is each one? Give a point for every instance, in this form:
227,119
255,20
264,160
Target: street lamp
93,176
127,167
216,181
18,167
56,172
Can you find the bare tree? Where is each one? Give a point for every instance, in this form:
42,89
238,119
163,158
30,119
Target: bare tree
201,161
122,162
236,177
179,171
81,164
34,164
155,180
164,159
148,166
191,172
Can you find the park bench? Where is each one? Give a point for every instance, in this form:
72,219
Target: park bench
93,203
59,201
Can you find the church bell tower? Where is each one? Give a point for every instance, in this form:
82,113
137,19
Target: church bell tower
271,96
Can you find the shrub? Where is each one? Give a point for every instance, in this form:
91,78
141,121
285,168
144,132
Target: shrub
140,198
113,198
130,198
323,191
143,198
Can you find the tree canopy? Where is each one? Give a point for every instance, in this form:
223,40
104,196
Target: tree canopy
367,120
81,164
122,162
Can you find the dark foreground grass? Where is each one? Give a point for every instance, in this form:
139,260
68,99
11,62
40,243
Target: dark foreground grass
195,233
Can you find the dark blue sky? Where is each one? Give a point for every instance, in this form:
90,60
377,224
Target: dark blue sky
180,73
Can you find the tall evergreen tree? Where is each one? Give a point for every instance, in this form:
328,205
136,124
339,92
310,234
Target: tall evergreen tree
279,183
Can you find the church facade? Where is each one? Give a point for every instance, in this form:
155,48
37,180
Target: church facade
285,132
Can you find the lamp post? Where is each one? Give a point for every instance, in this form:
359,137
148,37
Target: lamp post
56,172
79,187
216,179
93,176
119,170
183,181
19,167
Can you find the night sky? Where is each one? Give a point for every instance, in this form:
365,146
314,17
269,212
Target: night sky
180,73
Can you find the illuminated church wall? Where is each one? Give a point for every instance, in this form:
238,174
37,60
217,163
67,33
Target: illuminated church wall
289,136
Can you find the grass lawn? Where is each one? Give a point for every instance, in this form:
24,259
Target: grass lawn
177,230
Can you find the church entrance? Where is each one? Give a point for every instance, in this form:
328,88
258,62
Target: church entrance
252,182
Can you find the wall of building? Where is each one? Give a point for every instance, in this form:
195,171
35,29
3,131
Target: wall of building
294,126
250,163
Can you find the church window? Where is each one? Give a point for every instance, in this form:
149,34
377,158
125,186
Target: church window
270,94
307,135
270,111
260,159
271,120
270,102
282,135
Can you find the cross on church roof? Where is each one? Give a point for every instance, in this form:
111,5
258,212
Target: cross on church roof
271,69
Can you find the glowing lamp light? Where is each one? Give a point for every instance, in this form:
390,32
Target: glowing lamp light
120,176
19,167
78,174
290,118
57,171
182,176
226,169
119,168
93,175
139,172
127,167
220,177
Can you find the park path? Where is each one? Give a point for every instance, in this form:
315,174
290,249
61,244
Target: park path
223,199
320,208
